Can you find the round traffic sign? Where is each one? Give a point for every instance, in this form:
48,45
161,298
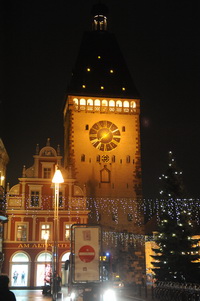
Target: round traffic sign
86,253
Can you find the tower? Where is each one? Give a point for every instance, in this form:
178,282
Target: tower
101,117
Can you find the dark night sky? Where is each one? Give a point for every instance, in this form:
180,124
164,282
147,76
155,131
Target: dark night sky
159,42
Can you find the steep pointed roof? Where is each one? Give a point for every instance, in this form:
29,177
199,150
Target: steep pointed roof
100,69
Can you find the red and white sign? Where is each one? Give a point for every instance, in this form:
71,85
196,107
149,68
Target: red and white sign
86,253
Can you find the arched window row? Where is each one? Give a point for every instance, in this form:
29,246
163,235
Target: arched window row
105,105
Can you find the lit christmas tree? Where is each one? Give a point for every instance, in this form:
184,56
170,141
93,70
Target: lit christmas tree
171,183
177,257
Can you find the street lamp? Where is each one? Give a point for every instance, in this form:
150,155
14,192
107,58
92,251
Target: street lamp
57,179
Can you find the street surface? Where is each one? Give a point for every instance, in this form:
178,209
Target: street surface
36,295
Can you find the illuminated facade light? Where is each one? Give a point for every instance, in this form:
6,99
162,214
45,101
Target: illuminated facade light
88,69
83,86
99,57
111,71
123,89
102,87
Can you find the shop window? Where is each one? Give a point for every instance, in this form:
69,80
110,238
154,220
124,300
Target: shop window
21,234
19,269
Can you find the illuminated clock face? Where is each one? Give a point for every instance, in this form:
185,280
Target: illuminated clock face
104,135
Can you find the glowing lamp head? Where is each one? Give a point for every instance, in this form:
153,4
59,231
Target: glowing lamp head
57,178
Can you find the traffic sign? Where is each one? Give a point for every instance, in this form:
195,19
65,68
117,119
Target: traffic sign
86,253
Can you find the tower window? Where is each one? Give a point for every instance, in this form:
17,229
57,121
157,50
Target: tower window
98,158
87,127
113,159
121,161
123,129
82,158
128,159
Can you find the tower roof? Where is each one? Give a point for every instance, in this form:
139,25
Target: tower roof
100,69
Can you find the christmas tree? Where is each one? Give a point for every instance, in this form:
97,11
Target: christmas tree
171,183
177,256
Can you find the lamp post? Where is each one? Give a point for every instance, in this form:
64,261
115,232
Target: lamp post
46,237
57,179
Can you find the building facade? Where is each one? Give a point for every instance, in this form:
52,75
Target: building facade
30,208
102,133
4,159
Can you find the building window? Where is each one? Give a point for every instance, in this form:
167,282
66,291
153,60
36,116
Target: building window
47,173
98,158
82,158
87,127
35,198
21,232
113,159
60,201
67,232
130,217
128,159
45,231
123,129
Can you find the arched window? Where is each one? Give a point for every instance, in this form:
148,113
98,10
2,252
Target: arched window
126,104
89,102
97,102
111,103
75,100
118,103
82,102
133,104
104,103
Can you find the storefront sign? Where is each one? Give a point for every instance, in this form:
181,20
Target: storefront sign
40,246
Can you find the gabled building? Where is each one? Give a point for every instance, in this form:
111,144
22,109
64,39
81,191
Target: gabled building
30,209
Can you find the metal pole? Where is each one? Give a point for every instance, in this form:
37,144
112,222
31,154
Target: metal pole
55,248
